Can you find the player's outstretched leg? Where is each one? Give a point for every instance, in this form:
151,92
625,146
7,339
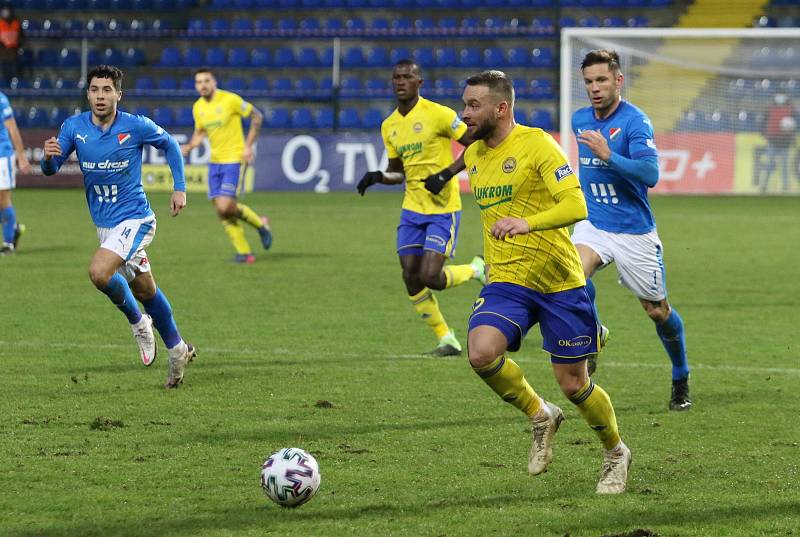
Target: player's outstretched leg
180,352
427,307
672,337
261,223
19,231
595,406
455,275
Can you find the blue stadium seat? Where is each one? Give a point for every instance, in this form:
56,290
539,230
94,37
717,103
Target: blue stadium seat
64,84
171,57
469,23
357,4
638,21
326,86
163,117
493,57
235,84
98,5
518,57
133,57
242,24
47,57
308,57
446,57
349,119
567,22
119,5
355,23
351,87
424,23
333,24
400,53
42,83
377,56
30,24
326,57
520,116
445,86
376,87
305,86
589,22
160,24
186,84
145,83
282,85
215,57
222,4
309,25
167,83
219,25
614,21
543,25
372,118
193,57
323,118
287,24
353,57
380,23
542,119
239,57
401,23
112,56
541,88
284,57
264,24
69,58
141,111
448,23
470,57
197,25
36,118
302,118
495,22
94,57
424,57
260,57
244,4
95,25
278,118
259,84
542,57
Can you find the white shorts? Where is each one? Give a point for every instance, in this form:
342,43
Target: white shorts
639,258
128,240
8,172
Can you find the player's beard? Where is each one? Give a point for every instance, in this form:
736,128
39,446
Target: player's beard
484,130
108,112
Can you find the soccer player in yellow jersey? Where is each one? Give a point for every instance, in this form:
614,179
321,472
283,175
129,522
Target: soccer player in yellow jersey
528,195
417,136
218,114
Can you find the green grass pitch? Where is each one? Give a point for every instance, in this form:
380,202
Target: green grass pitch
409,446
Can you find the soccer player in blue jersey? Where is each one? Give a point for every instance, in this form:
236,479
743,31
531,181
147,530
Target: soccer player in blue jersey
618,163
108,144
11,149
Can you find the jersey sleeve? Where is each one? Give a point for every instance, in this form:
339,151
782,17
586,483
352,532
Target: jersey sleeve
391,151
156,136
641,142
239,106
66,139
5,108
553,166
452,126
196,116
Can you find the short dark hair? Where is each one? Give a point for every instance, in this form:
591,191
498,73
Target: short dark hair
405,62
606,56
106,71
204,69
497,81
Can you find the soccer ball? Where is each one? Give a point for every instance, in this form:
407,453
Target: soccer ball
290,477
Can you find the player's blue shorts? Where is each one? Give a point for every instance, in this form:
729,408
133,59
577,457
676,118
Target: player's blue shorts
223,180
567,320
418,232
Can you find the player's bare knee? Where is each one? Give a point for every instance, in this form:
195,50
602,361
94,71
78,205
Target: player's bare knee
99,276
570,385
434,280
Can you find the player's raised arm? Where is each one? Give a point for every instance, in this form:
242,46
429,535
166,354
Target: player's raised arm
57,150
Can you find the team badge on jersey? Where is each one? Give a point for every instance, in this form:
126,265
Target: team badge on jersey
509,165
563,171
417,127
123,137
614,132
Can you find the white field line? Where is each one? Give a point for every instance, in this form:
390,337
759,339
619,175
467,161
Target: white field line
4,345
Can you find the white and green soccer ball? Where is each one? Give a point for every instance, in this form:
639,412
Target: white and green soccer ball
290,477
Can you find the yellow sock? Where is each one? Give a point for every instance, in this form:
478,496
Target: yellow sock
505,377
595,406
249,215
428,308
235,233
458,274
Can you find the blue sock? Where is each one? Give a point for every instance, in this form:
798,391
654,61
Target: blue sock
671,334
9,218
159,309
592,293
122,297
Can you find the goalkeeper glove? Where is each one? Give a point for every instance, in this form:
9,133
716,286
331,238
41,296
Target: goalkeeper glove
369,179
435,183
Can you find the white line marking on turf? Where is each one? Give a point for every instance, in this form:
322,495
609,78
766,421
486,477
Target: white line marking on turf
288,352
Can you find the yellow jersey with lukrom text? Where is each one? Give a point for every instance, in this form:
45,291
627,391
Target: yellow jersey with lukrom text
518,178
422,140
221,118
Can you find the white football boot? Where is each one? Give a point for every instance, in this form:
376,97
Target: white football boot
180,355
614,475
542,432
145,339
